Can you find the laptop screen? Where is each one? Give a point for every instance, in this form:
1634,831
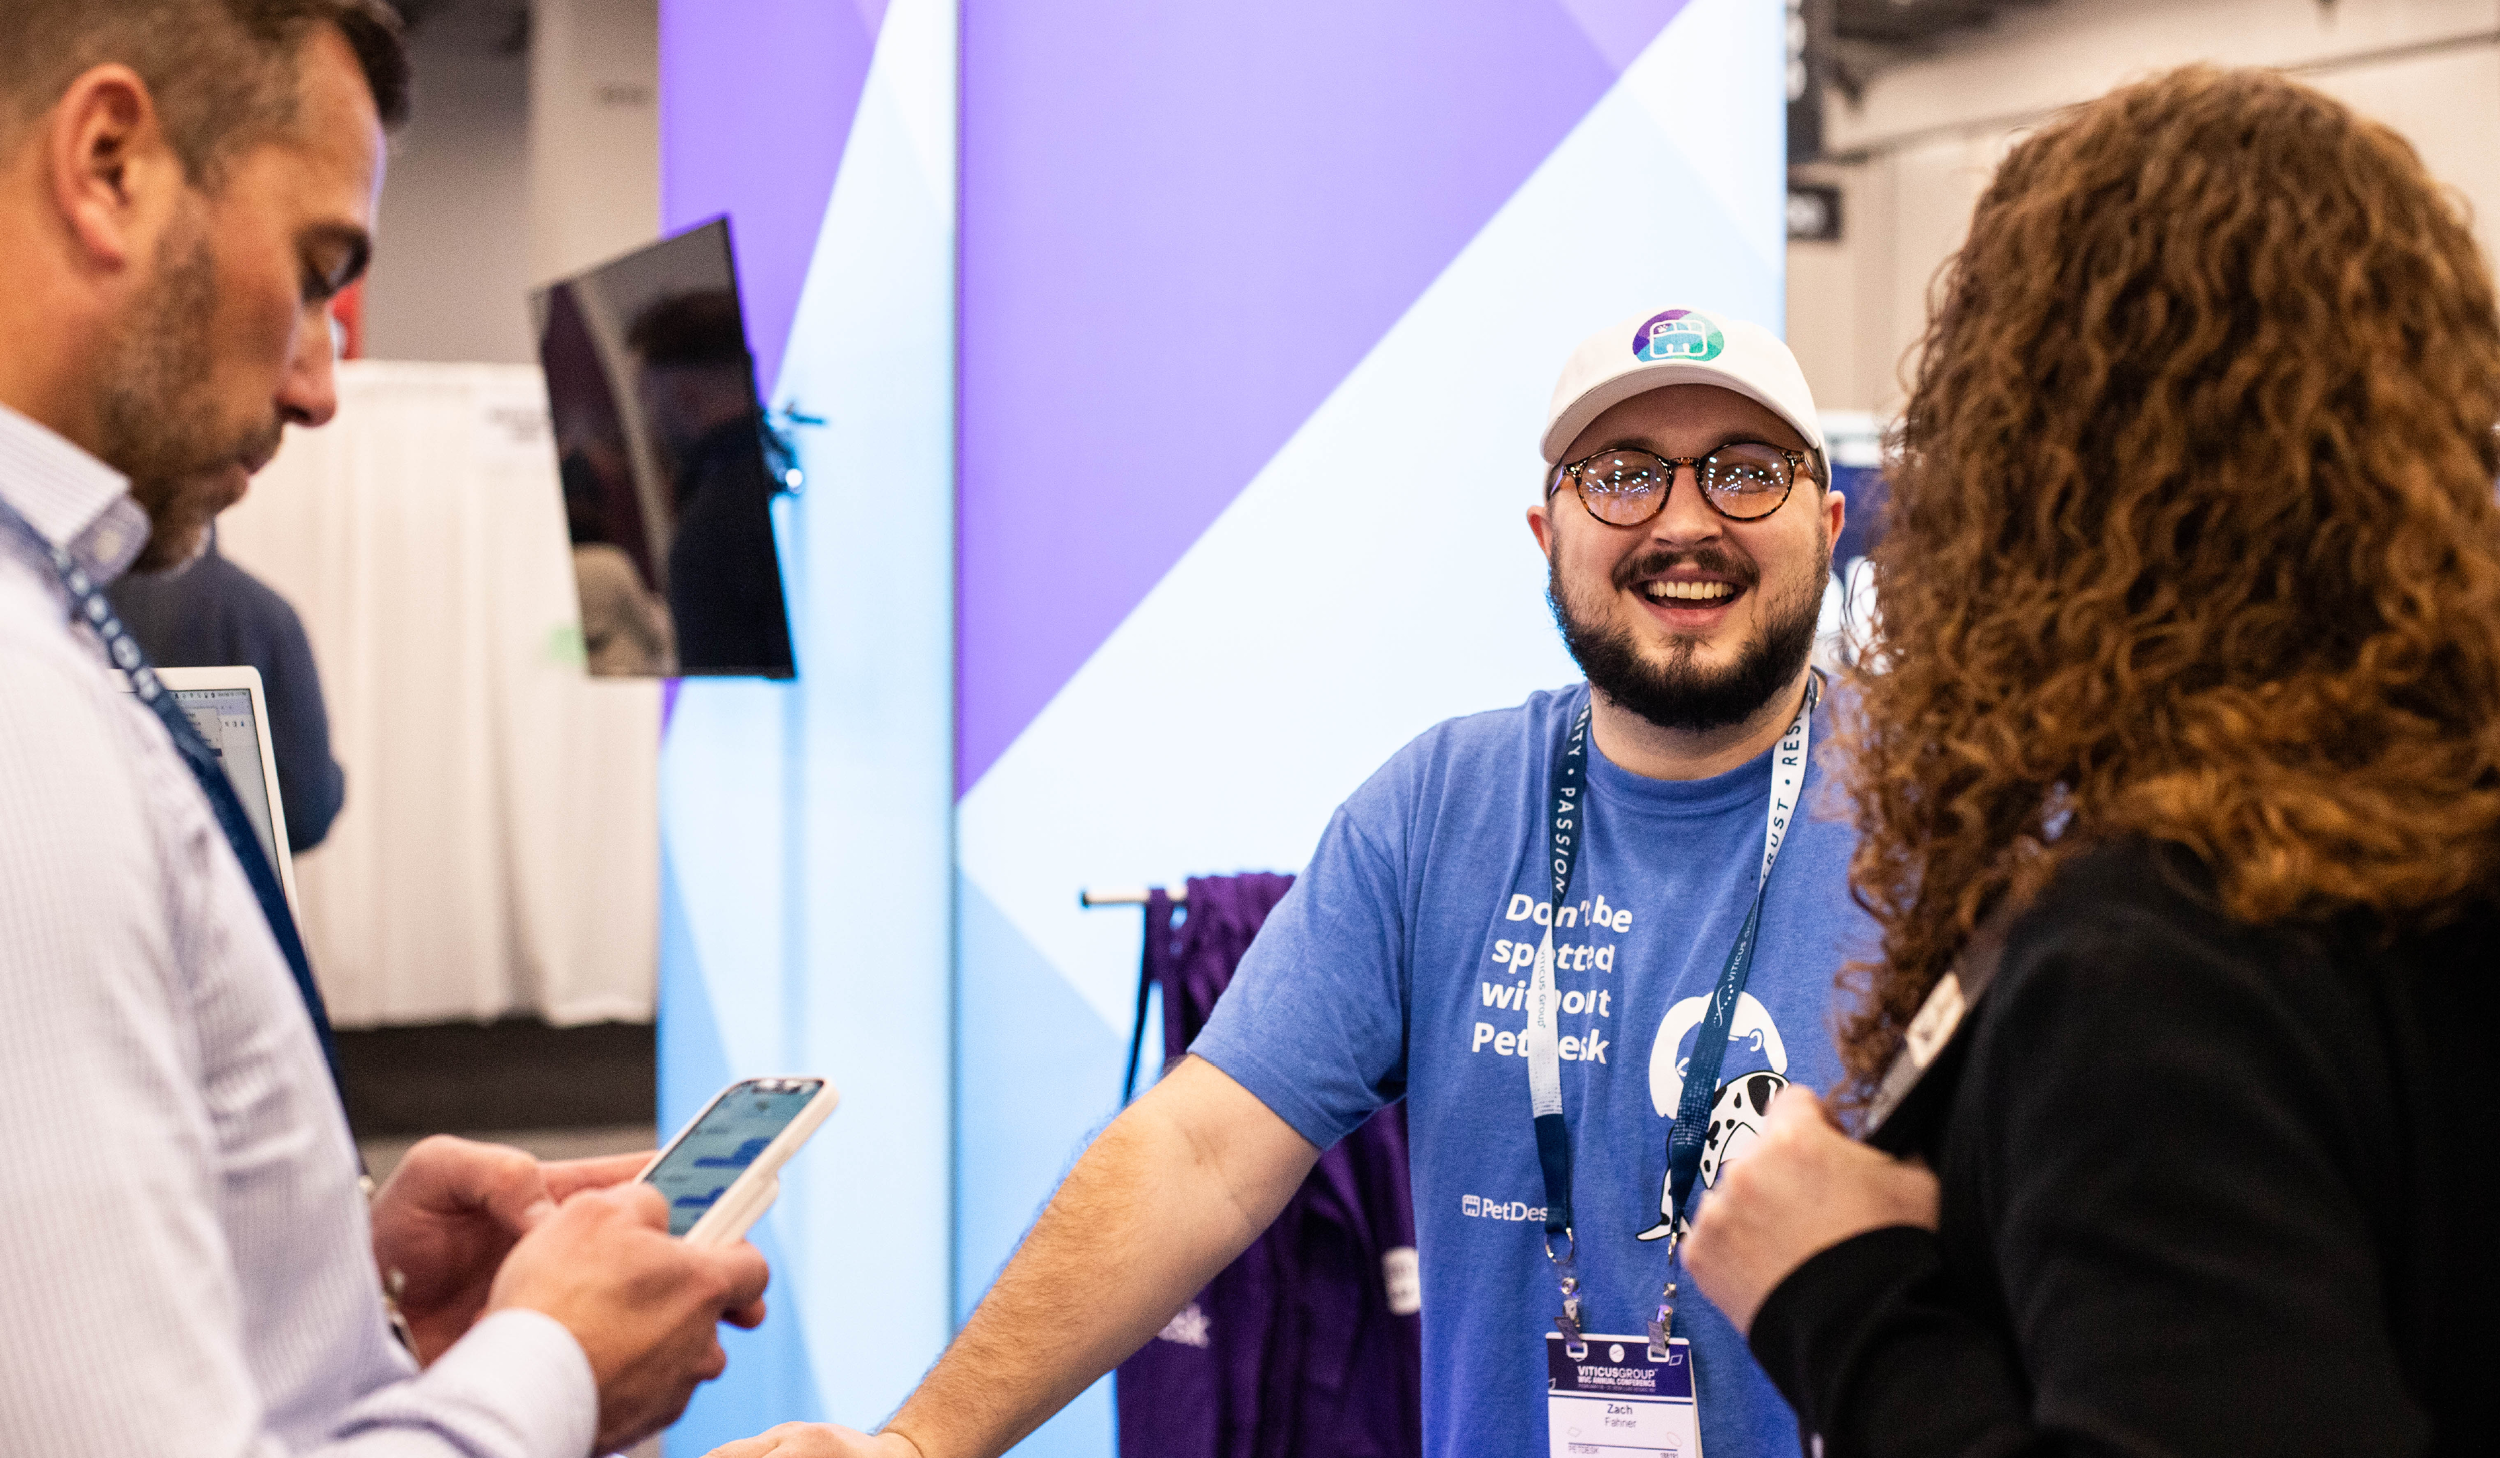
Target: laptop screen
224,719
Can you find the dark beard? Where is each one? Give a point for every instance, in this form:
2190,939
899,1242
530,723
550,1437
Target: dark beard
154,417
1678,695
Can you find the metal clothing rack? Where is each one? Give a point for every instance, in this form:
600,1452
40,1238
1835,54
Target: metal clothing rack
1090,898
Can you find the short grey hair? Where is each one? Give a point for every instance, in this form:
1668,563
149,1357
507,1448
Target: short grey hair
222,72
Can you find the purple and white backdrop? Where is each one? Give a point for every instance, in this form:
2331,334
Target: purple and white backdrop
1184,365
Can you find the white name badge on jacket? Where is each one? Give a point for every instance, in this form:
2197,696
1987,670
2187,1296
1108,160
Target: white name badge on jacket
1614,1402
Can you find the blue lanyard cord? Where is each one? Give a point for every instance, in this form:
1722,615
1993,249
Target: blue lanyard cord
1689,1136
1691,1132
89,605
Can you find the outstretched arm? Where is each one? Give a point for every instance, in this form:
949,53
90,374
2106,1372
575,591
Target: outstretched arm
1177,1186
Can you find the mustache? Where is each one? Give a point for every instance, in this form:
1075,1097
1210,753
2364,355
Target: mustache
1712,559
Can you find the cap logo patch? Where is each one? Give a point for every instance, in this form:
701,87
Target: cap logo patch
1678,335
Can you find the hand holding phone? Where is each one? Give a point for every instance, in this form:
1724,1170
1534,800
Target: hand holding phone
723,1169
645,1308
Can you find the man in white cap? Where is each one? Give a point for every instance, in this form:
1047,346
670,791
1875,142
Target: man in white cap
1586,938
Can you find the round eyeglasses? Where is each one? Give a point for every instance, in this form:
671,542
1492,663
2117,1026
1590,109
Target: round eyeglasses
1743,481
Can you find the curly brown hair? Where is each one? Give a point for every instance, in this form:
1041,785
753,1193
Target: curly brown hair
2192,533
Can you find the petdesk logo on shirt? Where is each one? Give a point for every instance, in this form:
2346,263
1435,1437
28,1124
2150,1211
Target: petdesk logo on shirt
1678,334
1489,1207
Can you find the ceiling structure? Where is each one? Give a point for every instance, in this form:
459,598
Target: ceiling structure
1919,24
1869,37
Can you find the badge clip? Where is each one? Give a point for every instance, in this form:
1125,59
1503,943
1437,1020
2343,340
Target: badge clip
1568,1323
1662,1326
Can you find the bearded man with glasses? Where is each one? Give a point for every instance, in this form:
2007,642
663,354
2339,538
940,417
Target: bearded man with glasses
1586,939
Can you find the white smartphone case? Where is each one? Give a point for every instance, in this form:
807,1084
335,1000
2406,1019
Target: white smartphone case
756,1187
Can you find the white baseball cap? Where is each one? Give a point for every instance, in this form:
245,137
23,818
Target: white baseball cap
1677,347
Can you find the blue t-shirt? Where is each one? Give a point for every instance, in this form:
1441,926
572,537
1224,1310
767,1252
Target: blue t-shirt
1398,966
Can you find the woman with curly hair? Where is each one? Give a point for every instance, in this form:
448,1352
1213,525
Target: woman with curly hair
2191,700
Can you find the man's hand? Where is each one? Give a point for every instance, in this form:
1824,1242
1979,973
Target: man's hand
1804,1188
1180,1184
451,1212
817,1440
645,1306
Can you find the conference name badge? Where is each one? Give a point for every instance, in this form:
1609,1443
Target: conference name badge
1614,1402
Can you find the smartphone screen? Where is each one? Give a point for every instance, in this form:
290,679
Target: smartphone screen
700,1167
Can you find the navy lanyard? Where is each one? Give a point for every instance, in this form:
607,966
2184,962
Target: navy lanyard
1689,1136
89,605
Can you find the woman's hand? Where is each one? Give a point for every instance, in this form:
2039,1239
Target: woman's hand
1804,1188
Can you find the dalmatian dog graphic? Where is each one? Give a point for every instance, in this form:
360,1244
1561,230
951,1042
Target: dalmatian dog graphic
1743,1102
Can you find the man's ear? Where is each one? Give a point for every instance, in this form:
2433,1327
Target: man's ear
1541,526
111,173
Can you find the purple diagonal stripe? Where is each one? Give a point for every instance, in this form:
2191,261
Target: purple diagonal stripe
1183,225
756,100
1622,29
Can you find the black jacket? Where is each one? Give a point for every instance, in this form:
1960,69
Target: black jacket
2208,1189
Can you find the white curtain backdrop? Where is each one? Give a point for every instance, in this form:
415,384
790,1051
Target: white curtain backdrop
499,850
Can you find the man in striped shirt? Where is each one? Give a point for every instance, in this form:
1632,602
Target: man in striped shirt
189,1264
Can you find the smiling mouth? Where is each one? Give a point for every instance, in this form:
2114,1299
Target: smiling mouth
1692,594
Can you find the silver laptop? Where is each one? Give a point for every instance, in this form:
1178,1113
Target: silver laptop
232,714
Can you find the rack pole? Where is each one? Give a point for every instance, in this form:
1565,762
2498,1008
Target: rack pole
1122,896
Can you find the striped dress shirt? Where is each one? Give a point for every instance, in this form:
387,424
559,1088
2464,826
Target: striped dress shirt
186,1266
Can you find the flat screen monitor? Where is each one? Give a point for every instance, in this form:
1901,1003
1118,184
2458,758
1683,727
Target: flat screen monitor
660,440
